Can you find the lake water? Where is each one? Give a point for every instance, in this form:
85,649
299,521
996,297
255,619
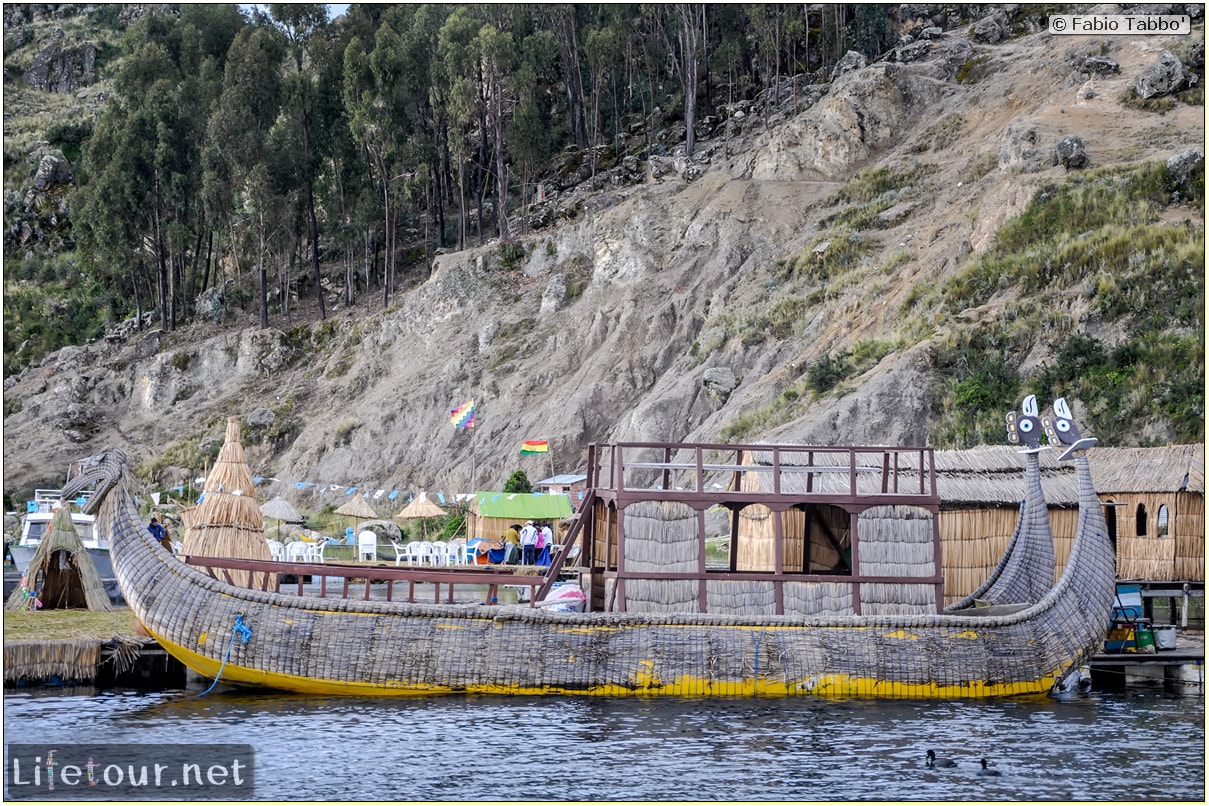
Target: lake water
1129,746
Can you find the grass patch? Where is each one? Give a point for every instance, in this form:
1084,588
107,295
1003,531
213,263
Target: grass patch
50,625
1101,222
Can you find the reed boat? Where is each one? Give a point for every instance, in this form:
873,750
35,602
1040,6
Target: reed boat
839,595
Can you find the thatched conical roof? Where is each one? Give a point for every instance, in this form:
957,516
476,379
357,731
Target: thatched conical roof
227,523
357,507
279,509
422,507
61,573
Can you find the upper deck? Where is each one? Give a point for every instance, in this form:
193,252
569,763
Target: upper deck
778,476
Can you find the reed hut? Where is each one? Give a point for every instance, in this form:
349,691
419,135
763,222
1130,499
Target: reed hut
1155,510
491,513
227,522
61,575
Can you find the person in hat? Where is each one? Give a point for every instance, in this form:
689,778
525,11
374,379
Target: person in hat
528,544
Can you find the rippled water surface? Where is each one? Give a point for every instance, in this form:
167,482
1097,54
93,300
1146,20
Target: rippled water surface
1141,746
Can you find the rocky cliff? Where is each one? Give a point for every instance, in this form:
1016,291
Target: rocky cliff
687,306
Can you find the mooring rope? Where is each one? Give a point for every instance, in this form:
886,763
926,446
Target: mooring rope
245,633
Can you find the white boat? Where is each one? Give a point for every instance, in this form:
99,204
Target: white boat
38,514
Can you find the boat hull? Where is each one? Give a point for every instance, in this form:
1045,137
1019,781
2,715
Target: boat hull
373,648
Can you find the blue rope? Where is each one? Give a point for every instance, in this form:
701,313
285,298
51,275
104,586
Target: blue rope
245,633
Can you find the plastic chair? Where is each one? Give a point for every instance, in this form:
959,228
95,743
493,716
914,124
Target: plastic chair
315,555
401,553
298,552
276,549
469,554
415,552
367,546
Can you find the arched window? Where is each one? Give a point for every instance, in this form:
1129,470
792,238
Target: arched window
1162,529
1141,521
1110,520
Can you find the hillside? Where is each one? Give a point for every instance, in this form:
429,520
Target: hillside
857,272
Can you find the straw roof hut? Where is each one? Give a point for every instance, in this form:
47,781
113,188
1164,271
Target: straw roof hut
228,523
1155,510
61,574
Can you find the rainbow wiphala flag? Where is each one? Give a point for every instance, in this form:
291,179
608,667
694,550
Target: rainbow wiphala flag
532,446
463,415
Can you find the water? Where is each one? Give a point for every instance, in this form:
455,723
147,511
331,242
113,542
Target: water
1132,746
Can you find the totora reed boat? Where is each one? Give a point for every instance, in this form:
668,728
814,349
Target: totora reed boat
832,587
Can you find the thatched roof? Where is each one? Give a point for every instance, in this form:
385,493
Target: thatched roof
280,509
422,507
1172,468
357,507
227,523
993,475
75,584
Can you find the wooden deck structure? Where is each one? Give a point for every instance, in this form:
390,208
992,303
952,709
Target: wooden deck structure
803,528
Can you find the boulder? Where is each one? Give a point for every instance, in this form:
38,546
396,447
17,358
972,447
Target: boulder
991,29
52,170
1070,153
1165,76
849,62
1182,166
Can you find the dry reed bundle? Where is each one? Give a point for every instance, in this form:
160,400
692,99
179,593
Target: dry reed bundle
661,536
61,573
661,596
1145,558
896,541
741,597
73,659
823,599
897,599
228,523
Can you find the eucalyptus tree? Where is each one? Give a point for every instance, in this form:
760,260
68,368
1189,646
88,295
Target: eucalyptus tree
236,181
375,97
305,27
563,20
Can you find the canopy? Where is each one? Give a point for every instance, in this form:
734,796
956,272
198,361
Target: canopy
280,509
422,507
522,506
357,507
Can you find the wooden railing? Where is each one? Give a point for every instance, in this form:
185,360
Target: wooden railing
270,573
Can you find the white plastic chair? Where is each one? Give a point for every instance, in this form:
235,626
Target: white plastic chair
456,552
316,550
444,554
367,546
401,553
276,549
416,552
298,552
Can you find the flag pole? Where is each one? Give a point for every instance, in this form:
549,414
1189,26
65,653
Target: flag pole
474,459
550,453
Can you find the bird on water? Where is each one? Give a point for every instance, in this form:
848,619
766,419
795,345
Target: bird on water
934,762
986,770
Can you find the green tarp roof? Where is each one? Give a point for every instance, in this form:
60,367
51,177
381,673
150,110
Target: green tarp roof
523,506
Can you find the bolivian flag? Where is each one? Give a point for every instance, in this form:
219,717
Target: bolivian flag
533,446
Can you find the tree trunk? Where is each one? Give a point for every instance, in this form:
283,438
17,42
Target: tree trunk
263,273
565,31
